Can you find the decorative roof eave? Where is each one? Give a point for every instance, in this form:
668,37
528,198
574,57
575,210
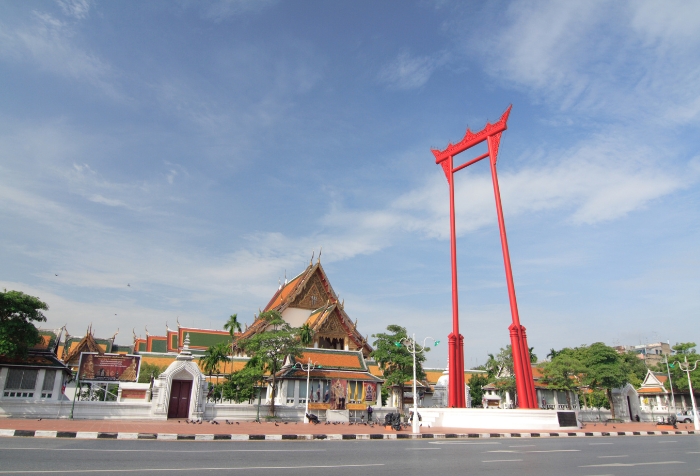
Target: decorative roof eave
87,342
295,373
36,359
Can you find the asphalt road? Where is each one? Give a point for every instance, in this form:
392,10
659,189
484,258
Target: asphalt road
667,455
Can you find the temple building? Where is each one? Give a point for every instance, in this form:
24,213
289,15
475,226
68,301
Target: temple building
309,299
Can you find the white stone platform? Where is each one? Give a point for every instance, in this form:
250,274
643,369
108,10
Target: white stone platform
494,419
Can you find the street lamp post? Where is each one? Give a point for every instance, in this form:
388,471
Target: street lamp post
687,370
308,368
412,348
670,385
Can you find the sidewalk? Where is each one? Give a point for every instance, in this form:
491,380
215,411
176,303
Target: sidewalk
180,429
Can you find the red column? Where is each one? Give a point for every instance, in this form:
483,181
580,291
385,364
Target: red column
521,355
455,394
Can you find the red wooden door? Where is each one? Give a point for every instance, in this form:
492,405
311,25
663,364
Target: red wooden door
179,399
183,406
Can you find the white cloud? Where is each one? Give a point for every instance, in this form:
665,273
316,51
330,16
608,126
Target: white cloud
106,318
635,60
53,46
219,10
77,9
409,72
601,179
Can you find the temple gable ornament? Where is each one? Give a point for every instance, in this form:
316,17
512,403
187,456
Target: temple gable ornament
314,297
332,327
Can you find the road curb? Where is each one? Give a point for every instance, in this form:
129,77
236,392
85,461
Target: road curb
95,435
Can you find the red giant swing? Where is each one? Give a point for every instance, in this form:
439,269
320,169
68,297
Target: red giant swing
525,385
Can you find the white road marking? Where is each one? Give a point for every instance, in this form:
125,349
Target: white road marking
595,444
614,456
197,470
551,451
618,465
462,443
499,460
672,441
532,451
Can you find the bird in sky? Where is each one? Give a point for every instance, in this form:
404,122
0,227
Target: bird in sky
128,285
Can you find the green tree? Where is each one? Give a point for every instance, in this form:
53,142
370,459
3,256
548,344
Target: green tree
233,326
563,372
604,369
241,386
679,377
395,360
500,368
476,387
272,346
213,356
17,333
147,370
684,348
634,367
306,335
598,399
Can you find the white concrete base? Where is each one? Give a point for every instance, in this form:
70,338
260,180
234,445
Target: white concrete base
338,416
492,419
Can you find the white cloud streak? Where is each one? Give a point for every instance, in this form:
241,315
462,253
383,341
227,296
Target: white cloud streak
52,45
407,72
617,59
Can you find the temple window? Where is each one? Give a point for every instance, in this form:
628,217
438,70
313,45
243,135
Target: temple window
20,383
320,391
302,392
47,387
290,390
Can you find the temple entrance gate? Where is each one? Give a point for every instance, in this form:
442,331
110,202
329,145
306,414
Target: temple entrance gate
180,399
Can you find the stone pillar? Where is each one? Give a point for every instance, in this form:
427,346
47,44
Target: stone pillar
41,375
556,399
379,395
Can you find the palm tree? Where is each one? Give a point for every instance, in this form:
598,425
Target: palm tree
213,356
306,335
233,326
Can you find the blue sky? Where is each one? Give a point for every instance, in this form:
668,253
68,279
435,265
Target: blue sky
197,151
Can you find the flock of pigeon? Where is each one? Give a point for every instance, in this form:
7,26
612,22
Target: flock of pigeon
214,422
